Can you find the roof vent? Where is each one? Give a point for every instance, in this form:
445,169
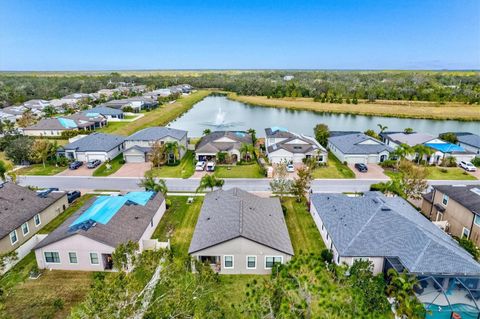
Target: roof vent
136,217
386,209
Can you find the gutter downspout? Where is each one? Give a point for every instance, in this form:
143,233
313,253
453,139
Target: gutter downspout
433,202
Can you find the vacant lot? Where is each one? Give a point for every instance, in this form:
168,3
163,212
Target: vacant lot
239,171
38,169
185,169
406,109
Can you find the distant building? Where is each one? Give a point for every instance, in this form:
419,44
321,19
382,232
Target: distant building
105,111
288,77
356,147
469,141
95,146
55,126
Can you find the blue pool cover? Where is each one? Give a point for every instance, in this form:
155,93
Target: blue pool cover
278,128
446,147
92,114
105,207
67,123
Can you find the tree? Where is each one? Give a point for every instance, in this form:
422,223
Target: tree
401,287
372,133
402,151
246,149
383,128
43,150
413,179
221,157
322,133
422,151
151,184
157,154
19,149
301,184
124,256
6,127
280,184
207,131
449,137
49,111
3,170
172,150
408,130
253,134
26,119
210,181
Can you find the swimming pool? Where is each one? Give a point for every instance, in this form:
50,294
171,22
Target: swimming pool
445,312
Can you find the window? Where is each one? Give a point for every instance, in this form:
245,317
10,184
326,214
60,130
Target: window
251,262
13,237
94,259
72,257
25,229
52,257
272,260
465,233
476,220
228,261
445,200
37,220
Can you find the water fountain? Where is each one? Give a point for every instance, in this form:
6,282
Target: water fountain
220,117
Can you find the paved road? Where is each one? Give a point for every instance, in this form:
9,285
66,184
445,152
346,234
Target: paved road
190,185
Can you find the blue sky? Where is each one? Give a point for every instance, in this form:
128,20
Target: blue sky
334,34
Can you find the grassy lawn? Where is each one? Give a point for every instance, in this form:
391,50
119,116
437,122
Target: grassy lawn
402,109
178,223
333,169
435,173
115,166
3,158
38,169
239,171
160,116
302,229
185,169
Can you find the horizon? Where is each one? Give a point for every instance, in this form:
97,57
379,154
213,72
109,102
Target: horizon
75,36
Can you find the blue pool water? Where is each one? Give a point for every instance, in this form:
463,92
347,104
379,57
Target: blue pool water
465,311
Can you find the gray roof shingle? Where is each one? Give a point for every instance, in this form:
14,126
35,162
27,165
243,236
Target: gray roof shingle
99,142
103,110
379,226
352,144
469,139
208,143
156,133
463,195
226,215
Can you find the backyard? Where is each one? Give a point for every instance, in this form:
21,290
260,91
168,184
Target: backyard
333,169
185,169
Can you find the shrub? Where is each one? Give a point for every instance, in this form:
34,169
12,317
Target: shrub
443,170
122,161
449,161
327,256
58,304
469,246
168,203
388,164
476,161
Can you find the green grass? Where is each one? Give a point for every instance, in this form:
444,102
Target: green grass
3,158
333,169
129,117
38,169
302,229
115,166
239,171
435,173
114,127
57,221
185,169
178,223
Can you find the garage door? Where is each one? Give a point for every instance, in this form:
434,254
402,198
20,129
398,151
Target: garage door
134,158
356,159
91,157
373,159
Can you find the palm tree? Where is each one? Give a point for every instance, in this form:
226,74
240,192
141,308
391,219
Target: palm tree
150,184
207,131
382,128
422,150
245,149
210,181
402,287
253,133
173,148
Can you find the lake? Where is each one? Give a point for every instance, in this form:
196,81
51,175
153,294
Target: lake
219,113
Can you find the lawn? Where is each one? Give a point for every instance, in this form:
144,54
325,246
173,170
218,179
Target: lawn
239,171
185,169
158,117
436,173
115,164
38,169
333,169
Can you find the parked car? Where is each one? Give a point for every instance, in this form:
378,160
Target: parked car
290,168
468,166
75,165
200,166
362,168
210,166
93,164
73,195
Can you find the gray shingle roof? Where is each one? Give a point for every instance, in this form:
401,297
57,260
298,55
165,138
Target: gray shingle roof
95,142
156,133
379,226
463,195
129,223
19,204
208,145
411,139
469,139
226,215
103,110
300,148
351,144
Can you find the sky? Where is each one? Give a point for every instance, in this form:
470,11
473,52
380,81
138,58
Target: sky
233,34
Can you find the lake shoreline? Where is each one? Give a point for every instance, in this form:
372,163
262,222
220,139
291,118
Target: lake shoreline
430,112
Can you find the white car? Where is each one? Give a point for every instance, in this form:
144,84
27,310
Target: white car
468,166
210,166
290,168
200,166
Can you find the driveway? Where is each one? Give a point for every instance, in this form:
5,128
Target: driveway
375,171
199,174
133,170
81,171
476,173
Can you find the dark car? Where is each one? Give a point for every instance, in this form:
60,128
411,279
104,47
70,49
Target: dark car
361,167
93,164
73,195
75,165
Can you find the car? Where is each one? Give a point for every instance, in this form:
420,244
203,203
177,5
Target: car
75,165
93,164
200,166
468,166
362,168
210,166
290,168
73,195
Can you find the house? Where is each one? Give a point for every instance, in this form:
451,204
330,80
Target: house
87,239
36,104
96,146
396,139
75,98
16,111
282,145
55,126
356,147
240,233
158,93
469,141
391,234
139,144
136,103
229,142
4,117
288,77
24,212
107,93
442,150
105,111
457,207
